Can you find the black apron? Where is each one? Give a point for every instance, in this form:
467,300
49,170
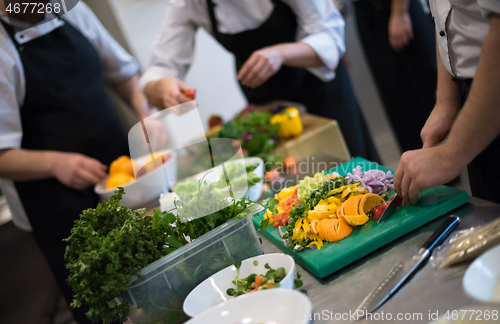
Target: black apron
407,80
483,171
65,109
334,99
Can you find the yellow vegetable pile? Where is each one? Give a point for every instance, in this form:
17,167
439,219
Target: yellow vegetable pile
332,218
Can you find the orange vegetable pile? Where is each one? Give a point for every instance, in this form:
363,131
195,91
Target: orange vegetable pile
121,171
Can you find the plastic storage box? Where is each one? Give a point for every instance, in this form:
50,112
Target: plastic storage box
159,296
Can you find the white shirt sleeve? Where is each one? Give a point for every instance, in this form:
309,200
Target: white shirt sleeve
489,6
10,80
321,26
117,65
173,49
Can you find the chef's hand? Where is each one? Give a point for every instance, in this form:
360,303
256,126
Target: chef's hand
167,93
400,30
424,168
260,66
77,171
437,126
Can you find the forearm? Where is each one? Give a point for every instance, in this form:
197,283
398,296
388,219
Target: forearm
399,6
130,92
299,55
448,91
478,123
23,165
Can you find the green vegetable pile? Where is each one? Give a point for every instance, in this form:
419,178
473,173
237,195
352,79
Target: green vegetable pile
234,172
253,131
111,243
245,285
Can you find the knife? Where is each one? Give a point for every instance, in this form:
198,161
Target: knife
395,204
400,274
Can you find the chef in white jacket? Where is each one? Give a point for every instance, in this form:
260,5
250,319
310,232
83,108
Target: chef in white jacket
464,127
284,49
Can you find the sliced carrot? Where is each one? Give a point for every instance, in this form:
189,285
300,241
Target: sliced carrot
258,281
343,230
270,285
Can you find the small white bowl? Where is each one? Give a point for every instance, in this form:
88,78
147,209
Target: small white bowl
212,291
482,278
144,189
269,306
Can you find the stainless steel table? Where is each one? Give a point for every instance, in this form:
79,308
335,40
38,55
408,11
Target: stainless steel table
428,292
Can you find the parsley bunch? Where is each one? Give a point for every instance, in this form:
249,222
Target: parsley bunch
111,243
107,245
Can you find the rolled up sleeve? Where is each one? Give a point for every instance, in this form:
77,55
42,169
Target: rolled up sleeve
173,49
117,65
321,26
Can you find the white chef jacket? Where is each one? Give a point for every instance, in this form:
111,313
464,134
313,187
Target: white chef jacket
117,66
461,27
320,25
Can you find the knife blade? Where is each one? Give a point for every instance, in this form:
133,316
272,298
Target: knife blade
401,272
395,204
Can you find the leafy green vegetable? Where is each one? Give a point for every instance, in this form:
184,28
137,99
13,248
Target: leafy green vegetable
256,263
239,178
244,285
111,243
297,282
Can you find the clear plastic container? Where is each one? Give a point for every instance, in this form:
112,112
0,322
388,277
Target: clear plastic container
159,297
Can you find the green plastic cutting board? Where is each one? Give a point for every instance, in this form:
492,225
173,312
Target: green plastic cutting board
433,202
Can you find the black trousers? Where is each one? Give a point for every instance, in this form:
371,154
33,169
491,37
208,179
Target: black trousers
407,80
484,172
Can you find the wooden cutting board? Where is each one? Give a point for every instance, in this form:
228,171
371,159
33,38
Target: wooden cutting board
433,202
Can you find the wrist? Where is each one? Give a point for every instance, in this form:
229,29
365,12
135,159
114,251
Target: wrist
52,159
399,7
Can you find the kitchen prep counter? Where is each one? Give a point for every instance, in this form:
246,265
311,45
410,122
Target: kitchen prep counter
428,291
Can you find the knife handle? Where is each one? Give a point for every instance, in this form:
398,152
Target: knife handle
442,232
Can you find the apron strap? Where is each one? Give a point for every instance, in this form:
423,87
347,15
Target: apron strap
213,20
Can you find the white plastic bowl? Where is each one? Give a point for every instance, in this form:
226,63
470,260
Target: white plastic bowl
482,278
212,291
278,306
144,189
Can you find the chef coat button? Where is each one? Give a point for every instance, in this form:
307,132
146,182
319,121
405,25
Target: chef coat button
442,33
21,36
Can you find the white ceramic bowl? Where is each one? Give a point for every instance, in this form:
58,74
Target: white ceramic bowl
212,291
273,306
482,278
143,190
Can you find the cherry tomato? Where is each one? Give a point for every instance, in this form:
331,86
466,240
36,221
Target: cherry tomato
190,93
